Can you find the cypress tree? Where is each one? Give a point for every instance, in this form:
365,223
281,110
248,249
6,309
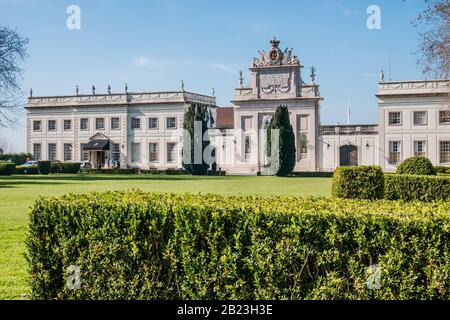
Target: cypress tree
195,112
280,121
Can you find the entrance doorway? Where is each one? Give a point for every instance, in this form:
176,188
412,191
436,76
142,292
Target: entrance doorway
99,152
100,159
348,155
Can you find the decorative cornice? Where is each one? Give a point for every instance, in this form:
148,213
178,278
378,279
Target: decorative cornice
121,99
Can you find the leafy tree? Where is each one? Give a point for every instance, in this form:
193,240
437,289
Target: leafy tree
280,121
12,53
193,163
434,26
17,158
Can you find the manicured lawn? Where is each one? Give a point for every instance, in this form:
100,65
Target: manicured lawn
17,194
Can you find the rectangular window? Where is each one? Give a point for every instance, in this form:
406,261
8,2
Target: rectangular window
37,125
116,151
135,123
444,117
153,155
115,123
444,154
135,152
394,152
99,123
420,118
395,118
51,125
67,152
171,123
84,153
153,123
52,151
37,151
247,147
420,149
171,153
67,125
84,124
303,142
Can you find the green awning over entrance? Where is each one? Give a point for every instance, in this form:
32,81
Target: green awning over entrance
96,145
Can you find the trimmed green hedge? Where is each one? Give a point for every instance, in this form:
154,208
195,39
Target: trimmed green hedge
137,171
26,170
159,246
44,167
65,167
442,170
311,174
111,171
7,168
361,182
416,165
415,187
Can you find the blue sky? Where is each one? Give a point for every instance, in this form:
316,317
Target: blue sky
153,44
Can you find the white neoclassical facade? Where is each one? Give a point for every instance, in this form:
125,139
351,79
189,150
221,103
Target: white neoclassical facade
140,130
144,130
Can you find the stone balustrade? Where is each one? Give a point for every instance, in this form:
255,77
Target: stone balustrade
349,129
414,87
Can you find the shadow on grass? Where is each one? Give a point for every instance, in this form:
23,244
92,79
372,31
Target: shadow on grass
4,183
53,178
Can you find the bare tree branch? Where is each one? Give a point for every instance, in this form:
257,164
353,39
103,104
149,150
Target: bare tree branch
13,52
434,25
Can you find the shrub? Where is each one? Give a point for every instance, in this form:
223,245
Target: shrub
54,167
152,171
363,182
26,170
286,142
70,167
16,158
217,173
195,113
160,246
7,168
416,165
112,171
442,170
415,187
65,167
313,174
175,172
44,167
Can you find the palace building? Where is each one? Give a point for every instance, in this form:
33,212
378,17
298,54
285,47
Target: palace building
144,130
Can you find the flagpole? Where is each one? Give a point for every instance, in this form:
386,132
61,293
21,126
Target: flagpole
348,113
